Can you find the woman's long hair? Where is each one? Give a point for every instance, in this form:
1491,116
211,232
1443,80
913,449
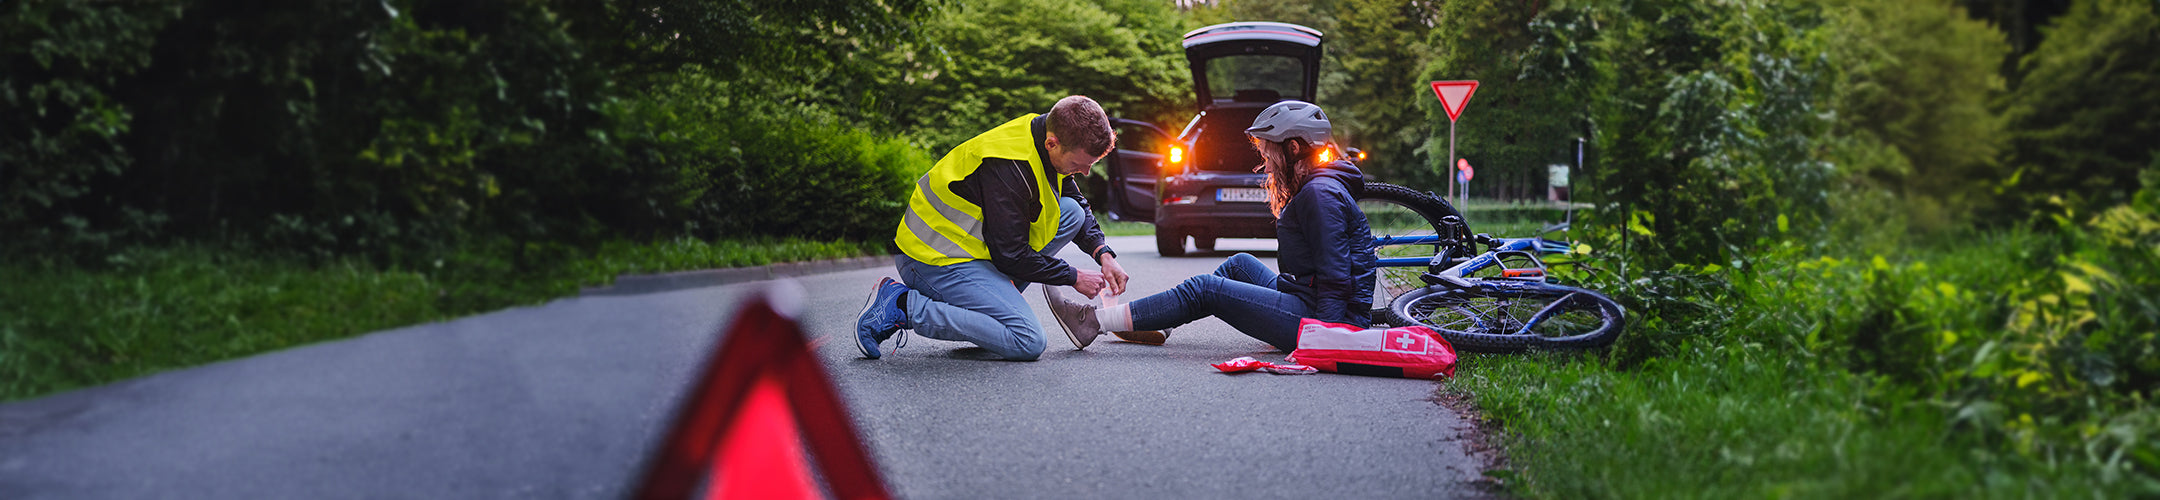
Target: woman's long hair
1285,175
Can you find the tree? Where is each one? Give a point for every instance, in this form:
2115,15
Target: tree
1918,77
990,60
65,127
2085,110
1518,125
647,40
1378,45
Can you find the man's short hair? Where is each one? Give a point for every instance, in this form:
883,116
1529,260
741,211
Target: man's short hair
1080,123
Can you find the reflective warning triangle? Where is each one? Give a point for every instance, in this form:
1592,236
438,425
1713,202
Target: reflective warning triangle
1453,95
741,431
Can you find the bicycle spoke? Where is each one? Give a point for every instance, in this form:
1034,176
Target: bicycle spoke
1513,318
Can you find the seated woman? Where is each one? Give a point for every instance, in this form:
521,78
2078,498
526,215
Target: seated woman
1325,249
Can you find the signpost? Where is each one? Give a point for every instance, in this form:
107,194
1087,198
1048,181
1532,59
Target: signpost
1453,95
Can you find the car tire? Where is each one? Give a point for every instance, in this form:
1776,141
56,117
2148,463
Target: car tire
1203,244
1169,243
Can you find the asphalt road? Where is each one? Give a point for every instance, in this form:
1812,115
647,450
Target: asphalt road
564,400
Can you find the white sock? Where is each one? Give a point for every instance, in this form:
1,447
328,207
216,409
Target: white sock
1117,318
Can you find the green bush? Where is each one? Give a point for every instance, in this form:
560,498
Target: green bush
1705,119
66,124
2086,105
1520,120
144,311
1913,94
819,181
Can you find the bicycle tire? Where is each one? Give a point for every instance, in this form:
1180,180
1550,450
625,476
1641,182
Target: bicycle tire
1393,210
1489,317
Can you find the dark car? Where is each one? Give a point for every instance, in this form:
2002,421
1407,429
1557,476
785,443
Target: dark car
1201,183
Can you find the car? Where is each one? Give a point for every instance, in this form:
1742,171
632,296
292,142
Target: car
1201,183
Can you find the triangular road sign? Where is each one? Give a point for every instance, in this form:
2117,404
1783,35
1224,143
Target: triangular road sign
1453,95
740,431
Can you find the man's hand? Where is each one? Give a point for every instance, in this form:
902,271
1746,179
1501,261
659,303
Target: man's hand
1114,274
1089,283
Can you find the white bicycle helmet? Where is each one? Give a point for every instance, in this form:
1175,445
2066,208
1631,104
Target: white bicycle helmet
1292,119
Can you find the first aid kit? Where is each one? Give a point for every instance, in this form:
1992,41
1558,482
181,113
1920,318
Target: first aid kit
1409,351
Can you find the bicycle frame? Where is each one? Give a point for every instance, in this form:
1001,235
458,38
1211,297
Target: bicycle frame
1456,268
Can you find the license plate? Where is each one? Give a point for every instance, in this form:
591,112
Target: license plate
1241,194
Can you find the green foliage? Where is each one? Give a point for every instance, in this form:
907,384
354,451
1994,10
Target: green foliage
65,127
1740,420
811,180
647,42
400,130
984,62
1913,114
145,311
1707,134
1987,363
65,325
1809,374
1517,123
1123,228
1376,49
2086,107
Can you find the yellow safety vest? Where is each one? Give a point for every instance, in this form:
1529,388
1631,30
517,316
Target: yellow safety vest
940,228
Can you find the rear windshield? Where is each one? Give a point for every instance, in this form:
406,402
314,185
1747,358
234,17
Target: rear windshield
1256,78
1220,144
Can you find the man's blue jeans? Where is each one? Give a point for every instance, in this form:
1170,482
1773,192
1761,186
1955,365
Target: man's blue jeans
1241,292
973,302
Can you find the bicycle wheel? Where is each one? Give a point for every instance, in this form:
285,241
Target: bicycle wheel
1507,316
1394,210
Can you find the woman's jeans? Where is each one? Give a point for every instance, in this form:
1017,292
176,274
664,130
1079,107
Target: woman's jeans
1241,292
973,302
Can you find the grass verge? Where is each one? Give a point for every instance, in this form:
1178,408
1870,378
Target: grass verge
1838,373
147,310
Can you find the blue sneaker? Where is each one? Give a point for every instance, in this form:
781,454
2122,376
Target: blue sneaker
881,318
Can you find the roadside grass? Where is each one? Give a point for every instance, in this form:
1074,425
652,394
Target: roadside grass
1737,422
1123,228
1840,372
64,325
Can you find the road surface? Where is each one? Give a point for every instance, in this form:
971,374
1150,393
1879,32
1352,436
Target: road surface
564,400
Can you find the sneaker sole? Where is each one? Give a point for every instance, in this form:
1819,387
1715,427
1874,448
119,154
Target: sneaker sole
1148,337
867,304
1068,329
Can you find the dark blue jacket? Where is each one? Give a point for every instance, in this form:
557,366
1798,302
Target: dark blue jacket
1326,247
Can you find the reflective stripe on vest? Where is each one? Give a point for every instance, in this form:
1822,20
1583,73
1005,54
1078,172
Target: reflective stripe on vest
941,228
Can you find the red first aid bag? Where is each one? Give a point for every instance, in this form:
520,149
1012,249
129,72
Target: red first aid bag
1409,351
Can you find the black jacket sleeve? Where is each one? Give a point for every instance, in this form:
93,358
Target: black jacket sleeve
1334,289
1008,200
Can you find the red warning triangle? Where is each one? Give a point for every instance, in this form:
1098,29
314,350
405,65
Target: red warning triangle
1453,95
741,430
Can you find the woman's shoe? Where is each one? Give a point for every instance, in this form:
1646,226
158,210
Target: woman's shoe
1149,337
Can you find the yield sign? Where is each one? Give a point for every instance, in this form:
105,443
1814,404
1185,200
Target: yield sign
1453,95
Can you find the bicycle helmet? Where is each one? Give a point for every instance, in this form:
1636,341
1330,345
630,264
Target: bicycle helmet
1292,119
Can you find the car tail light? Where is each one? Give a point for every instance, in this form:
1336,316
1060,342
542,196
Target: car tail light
1327,155
1361,156
1176,165
1181,200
